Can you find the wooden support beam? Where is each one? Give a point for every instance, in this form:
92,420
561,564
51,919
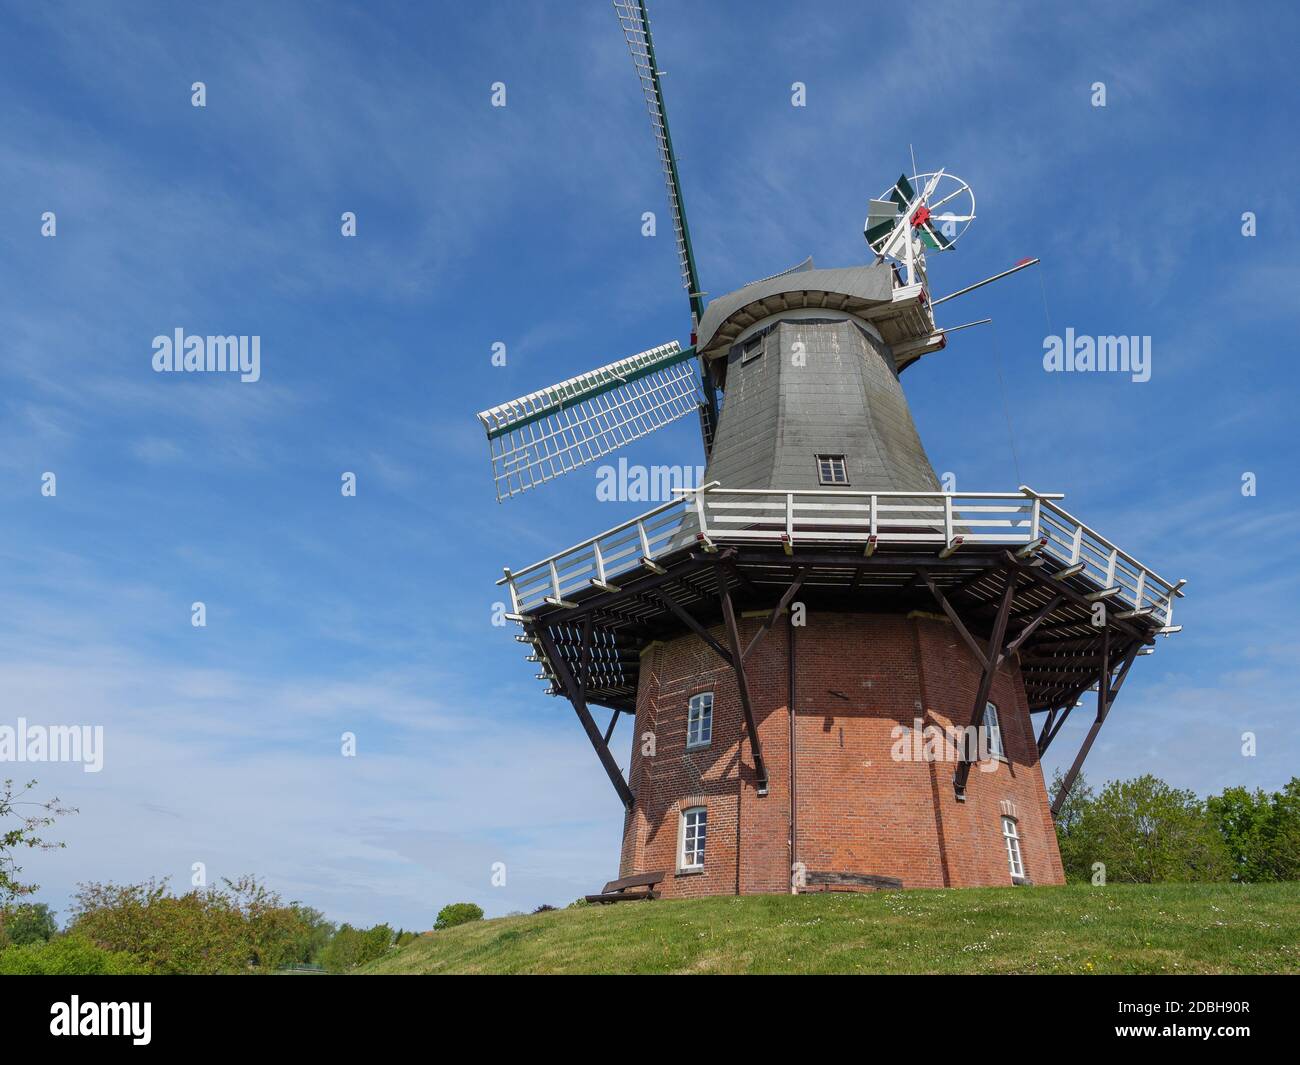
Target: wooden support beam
576,697
880,560
964,588
1079,600
1038,619
690,622
1055,719
956,620
613,720
777,610
1084,672
737,660
1106,692
992,658
1069,643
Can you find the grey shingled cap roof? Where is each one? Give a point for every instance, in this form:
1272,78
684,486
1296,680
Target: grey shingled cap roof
846,288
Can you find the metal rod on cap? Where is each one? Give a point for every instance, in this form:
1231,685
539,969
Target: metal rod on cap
981,284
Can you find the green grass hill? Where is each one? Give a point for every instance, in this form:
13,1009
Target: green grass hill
1168,928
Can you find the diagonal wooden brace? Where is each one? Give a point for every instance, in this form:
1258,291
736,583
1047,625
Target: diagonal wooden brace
992,660
1107,689
1055,719
690,622
766,627
577,694
737,658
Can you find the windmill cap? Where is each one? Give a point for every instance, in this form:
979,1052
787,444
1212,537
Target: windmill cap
848,289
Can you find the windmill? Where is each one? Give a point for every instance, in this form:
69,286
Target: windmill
971,610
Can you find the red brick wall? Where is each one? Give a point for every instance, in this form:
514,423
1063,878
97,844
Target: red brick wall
859,677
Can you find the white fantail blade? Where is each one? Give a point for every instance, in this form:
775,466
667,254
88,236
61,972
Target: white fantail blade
538,437
881,211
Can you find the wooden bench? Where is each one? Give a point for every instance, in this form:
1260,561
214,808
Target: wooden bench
630,888
850,882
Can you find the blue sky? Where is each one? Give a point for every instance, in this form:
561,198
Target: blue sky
523,225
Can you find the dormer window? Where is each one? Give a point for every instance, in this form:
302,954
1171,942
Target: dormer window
831,469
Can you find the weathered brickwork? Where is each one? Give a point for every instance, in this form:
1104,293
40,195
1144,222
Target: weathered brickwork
857,809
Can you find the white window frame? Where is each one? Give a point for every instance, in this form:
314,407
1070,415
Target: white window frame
752,349
699,718
1011,837
700,815
993,728
832,461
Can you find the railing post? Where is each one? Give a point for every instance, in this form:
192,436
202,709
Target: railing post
947,519
789,515
600,561
874,529
645,540
1140,591
1076,549
700,511
1036,519
1110,567
555,581
514,592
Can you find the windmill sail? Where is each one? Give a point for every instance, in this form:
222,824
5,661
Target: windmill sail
538,437
635,21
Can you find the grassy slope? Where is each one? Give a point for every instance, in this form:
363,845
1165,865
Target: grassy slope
1179,928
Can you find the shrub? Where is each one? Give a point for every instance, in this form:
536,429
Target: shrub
68,955
544,908
29,922
351,947
209,931
457,913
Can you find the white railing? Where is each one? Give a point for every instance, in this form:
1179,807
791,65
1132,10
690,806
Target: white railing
947,520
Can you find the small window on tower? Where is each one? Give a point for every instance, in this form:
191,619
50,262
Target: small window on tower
832,470
751,351
699,720
994,729
1011,835
694,827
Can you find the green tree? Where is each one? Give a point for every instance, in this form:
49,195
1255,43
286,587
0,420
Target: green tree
1077,864
22,822
1146,832
31,922
315,935
457,913
1261,831
351,947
